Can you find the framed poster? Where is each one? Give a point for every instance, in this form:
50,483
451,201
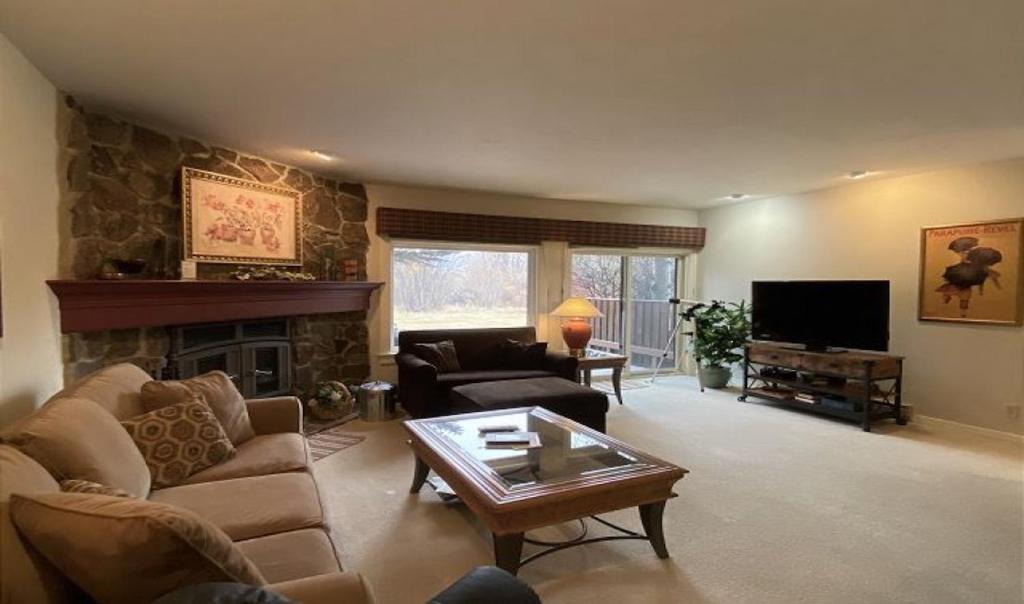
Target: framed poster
973,273
236,221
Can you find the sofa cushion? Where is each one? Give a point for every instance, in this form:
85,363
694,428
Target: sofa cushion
223,593
25,575
524,355
94,488
124,550
262,454
459,378
246,508
292,555
441,355
332,588
76,438
115,388
179,440
216,389
477,348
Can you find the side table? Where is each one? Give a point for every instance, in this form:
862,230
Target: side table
596,359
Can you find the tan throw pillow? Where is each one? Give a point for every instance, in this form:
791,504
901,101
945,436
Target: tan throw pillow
178,441
94,488
216,389
125,550
439,354
77,439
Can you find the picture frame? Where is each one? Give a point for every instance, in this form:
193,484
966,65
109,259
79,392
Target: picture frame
973,273
230,220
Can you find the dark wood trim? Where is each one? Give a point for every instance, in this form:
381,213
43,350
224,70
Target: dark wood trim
401,223
97,305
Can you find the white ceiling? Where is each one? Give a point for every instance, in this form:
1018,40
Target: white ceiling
668,102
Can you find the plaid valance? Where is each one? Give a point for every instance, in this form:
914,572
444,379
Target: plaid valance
481,228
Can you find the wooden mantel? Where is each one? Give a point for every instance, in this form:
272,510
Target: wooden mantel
96,305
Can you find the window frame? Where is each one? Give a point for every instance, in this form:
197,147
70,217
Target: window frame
532,252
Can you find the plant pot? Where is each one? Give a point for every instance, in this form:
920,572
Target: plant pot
714,377
328,412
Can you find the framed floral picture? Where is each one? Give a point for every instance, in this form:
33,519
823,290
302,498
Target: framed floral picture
973,273
236,221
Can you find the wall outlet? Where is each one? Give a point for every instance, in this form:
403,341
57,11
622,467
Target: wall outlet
1013,411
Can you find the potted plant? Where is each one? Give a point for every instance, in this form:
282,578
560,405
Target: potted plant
719,329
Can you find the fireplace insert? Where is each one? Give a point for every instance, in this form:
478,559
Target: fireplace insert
256,355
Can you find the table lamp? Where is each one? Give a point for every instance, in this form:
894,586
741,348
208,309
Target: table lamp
576,331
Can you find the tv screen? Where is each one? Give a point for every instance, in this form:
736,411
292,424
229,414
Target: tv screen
819,314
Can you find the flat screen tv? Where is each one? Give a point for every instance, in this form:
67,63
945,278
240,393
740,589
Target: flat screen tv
822,314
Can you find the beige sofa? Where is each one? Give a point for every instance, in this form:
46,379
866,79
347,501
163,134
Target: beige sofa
265,498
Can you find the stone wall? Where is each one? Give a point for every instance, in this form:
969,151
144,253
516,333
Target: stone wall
123,198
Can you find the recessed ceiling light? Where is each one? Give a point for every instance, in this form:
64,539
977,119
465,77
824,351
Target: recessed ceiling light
737,196
857,174
321,155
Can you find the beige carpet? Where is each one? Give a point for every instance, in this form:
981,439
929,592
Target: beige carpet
779,507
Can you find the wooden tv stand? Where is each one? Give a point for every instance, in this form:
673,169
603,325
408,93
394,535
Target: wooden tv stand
858,386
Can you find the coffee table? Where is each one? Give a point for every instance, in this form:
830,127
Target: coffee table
577,473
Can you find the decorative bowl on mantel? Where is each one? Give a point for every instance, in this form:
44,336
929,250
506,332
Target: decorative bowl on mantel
121,268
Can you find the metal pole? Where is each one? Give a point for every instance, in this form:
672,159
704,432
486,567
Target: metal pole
675,332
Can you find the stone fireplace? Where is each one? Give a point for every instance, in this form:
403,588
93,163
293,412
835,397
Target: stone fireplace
122,198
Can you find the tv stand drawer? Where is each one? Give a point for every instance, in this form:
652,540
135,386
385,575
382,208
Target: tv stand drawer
775,355
853,365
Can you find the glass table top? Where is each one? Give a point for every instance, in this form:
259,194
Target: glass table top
565,454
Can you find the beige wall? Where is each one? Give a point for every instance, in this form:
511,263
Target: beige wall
552,257
30,353
870,230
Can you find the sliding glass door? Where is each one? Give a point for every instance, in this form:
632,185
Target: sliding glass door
652,280
632,291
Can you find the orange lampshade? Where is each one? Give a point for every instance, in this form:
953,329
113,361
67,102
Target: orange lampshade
580,308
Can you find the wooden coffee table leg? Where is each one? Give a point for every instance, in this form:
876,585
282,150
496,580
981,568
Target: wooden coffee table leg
508,551
650,516
419,476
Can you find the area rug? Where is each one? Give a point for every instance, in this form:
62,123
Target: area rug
634,384
312,425
332,440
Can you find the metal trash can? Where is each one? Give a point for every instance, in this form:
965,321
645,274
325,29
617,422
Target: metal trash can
376,401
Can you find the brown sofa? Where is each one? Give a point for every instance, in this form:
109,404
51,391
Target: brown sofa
426,393
265,498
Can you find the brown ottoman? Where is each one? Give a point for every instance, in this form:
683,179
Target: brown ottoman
568,399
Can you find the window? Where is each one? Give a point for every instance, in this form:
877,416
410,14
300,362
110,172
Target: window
453,286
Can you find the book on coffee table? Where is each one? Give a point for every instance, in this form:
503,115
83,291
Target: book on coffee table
512,440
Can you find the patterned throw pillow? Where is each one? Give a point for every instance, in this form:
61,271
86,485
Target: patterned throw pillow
439,354
215,389
179,440
92,488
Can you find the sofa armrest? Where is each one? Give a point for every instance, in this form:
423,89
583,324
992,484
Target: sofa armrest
332,588
487,584
562,364
274,415
417,384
